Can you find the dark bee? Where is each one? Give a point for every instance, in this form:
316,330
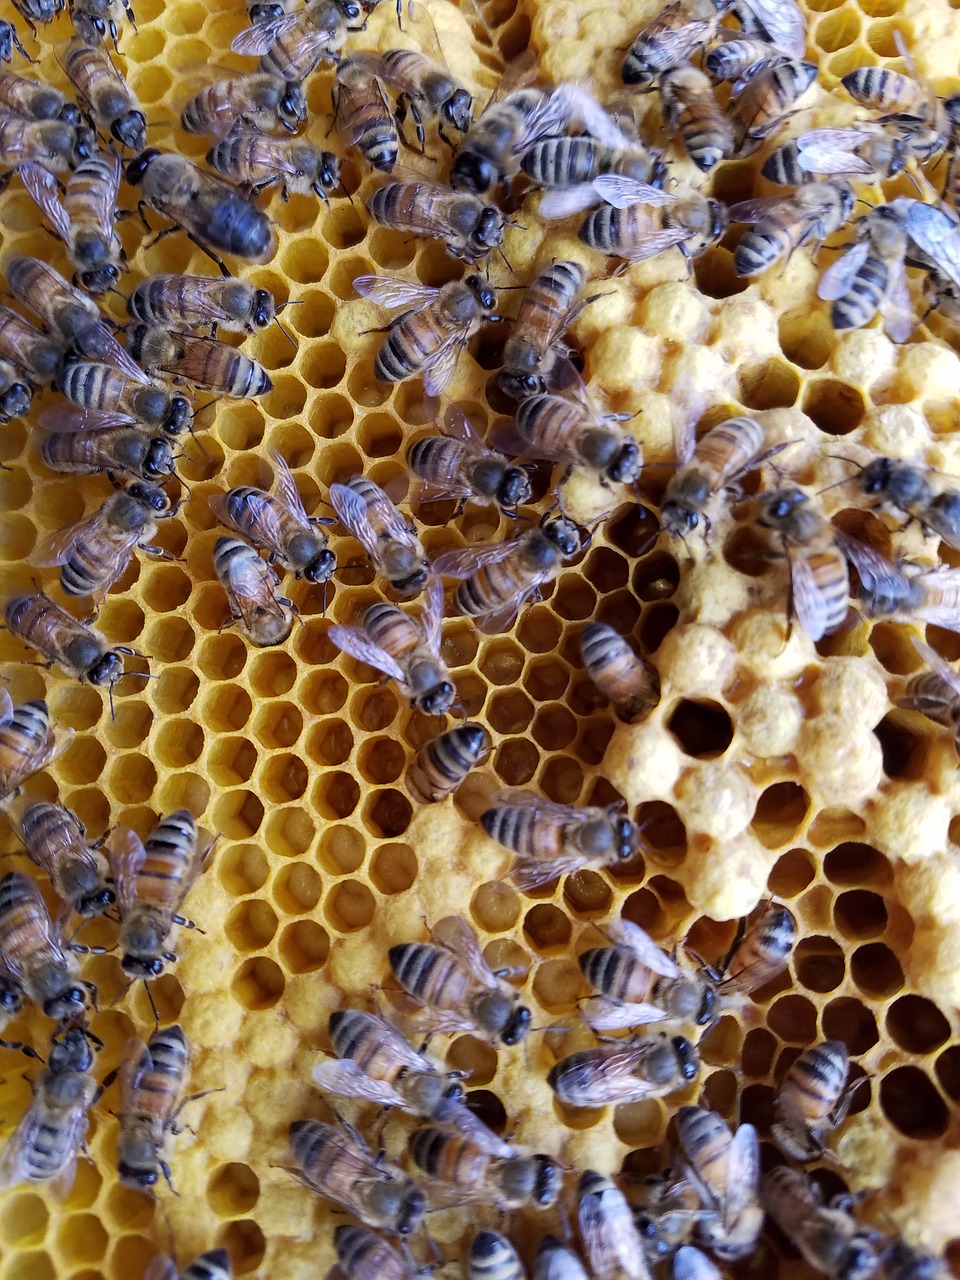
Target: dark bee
94,20
250,586
812,213
25,349
206,362
692,113
257,161
362,1255
34,952
827,1236
672,37
9,40
639,221
631,683
763,97
231,304
260,101
80,651
104,93
212,1265
493,1257
935,693
625,1072
35,100
106,398
427,91
573,430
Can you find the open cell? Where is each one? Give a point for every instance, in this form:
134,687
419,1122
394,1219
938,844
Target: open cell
388,813
231,761
297,888
323,692
272,674
178,743
238,814
289,832
131,778
702,728
304,946
336,794
350,905
917,1025
381,760
283,778
251,925
278,725
23,1221
222,657
232,1190
912,1104
342,849
244,1239
876,971
242,869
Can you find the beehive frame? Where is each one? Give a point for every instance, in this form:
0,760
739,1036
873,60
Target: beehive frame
296,755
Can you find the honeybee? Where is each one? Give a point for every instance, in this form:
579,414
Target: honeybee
94,552
918,594
639,221
278,524
871,277
554,1261
573,430
84,219
460,465
258,101
779,22
152,1078
251,589
936,240
407,651
102,90
764,96
33,951
468,227
206,362
689,1263
493,1257
552,840
212,1265
81,652
55,144
27,350
475,1166
935,693
428,338
390,542
460,992
378,1065
45,1144
725,1170
27,741
692,112
152,879
35,100
672,37
908,103
106,397
362,1255
639,983
734,56
812,213
627,1071
363,116
94,20
666,1214
861,151
511,122
258,161
337,1164
812,1100
533,352
631,683
715,462
443,763
499,577
206,208
568,168
761,948
9,40
827,1236
902,1261
55,841
610,1238
16,395
234,305
289,45
428,91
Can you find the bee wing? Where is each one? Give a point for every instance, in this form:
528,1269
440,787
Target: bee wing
161,1267
390,291
464,561
67,418
623,192
937,235
754,210
838,277
457,425
352,510
783,24
896,308
42,186
614,1070
627,934
530,800
455,935
944,613
689,1263
576,102
257,40
441,366
462,1120
876,571
813,611
608,1015
347,1080
491,624
831,151
563,201
527,875
743,1173
359,645
6,708
254,590
263,515
126,855
432,615
937,664
104,204
288,489
12,1159
59,546
656,243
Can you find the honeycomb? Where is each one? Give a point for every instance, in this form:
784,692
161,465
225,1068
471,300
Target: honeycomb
771,766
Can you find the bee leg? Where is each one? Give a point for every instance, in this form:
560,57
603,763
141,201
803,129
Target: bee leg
192,1097
165,1170
25,1049
224,271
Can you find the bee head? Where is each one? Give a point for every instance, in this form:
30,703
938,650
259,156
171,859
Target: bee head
130,130
876,475
84,143
520,386
626,465
473,173
15,401
686,1057
150,496
100,279
563,535
489,232
178,415
96,902
158,462
438,699
137,1176
514,488
263,309
708,1004
458,109
517,1025
140,164
107,669
328,172
549,1181
142,966
11,996
626,838
321,567
350,9
66,1003
481,291
410,584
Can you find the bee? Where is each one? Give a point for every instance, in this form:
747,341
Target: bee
460,992
55,841
631,683
289,45
26,350
725,1170
871,277
493,1257
81,652
363,116
812,1100
935,237
390,542
259,101
568,168
935,693
378,1065
362,1255
102,90
211,213
278,524
152,879
251,590
780,22
672,37
919,594
639,983
765,95
908,104
152,1079
33,951
689,1263
35,100
499,577
554,1261
627,1071
551,840
212,1265
734,57
9,40
16,394
45,1144
206,362
27,743
407,651
94,20
763,944
35,11
863,151
533,352
572,429
444,762
428,91
468,227
337,1164
812,213
258,161
94,552
827,1236
667,1214
903,1262
715,462
234,305
108,398
84,219
639,221
691,111
610,1239
55,144
428,338
473,1165
460,465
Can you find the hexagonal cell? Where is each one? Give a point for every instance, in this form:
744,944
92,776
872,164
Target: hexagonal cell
289,832
23,1221
818,963
394,868
876,971
251,925
388,813
780,813
772,385
245,1242
258,983
835,407
703,729
350,906
242,869
917,1025
297,888
82,1237
849,1020
911,1103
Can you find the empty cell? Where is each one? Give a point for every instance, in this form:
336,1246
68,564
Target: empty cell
82,1238
876,970
222,657
554,727
350,905
715,274
322,692
241,426
314,314
272,674
251,925
911,1103
592,741
510,711
231,761
557,984
304,946
807,338
391,250
587,893
258,983
283,778
23,1221
182,790
232,1189
17,537
388,813
546,927
32,1265
852,863
859,914
917,1025
478,1062
278,725
574,598
365,391
289,831
794,1019
323,365
92,807
169,639
850,1020
82,707
538,630
166,588
791,874
772,385
394,868
818,963
835,407
224,710
329,742
948,1072
562,780
241,869
178,743
546,681
759,1048
657,621
238,814
297,888
132,778
702,728
780,813
129,727
303,260
838,30
495,906
287,398
381,760
380,436
336,794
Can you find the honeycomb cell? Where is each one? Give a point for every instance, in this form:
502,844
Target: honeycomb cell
838,30
917,1025
251,926
258,983
818,963
283,778
780,813
245,1242
859,914
394,868
381,761
702,728
388,813
336,795
231,761
233,1190
33,1265
350,906
289,832
948,1072
82,1238
222,657
911,1103
495,907
852,1022
242,869
238,814
297,888
23,1221
835,407
794,1019
791,874
876,971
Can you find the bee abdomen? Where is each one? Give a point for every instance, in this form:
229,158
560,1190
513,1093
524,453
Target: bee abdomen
442,764
236,226
414,965
604,969
860,303
758,250
561,162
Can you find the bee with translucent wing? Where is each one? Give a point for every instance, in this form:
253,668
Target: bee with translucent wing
761,949
94,20
670,38
107,398
689,1263
260,101
363,116
105,94
906,487
460,465
919,595
234,305
871,276
783,225
937,237
909,103
827,1236
212,1265
35,100
935,693
84,220
724,1169
631,683
780,22
864,151
470,228
205,362
442,764
639,221
763,95
610,1239
624,1072
363,1255
813,1098
55,144
533,353
289,45
571,428
55,841
428,91
33,951
27,741
265,616
555,1261
390,541
692,113
257,161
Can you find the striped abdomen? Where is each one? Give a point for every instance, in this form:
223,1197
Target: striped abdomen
617,231
24,921
616,973
170,851
22,737
832,581
159,1084
92,385
392,630
213,364
412,341
359,1036
363,118
528,831
815,1082
563,162
431,975
862,300
442,764
453,1160
51,1139
727,448
83,199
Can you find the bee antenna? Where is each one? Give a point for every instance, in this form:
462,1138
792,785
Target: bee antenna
153,1004
286,332
507,261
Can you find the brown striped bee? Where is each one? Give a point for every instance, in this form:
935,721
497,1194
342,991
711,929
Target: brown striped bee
84,220
672,37
212,1265
666,1214
638,221
572,429
81,652
812,1100
116,450
362,1255
27,741
779,22
205,362
610,1239
152,1079
289,45
35,100
553,840
631,683
568,168
935,693
27,350
390,542
764,95
428,91
459,991
908,104
337,1164
234,305
813,212
871,276
43,1148
468,227
499,577
364,119
554,1261
493,1257
724,1169
55,144
106,397
405,650
734,55
691,111
460,465
376,1063
936,245
259,101
278,524
257,161
38,10
918,594
533,352
152,879
436,326
827,1236
863,150
55,841
626,1071
265,616
34,953
707,467
761,948
444,762
104,94
94,20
